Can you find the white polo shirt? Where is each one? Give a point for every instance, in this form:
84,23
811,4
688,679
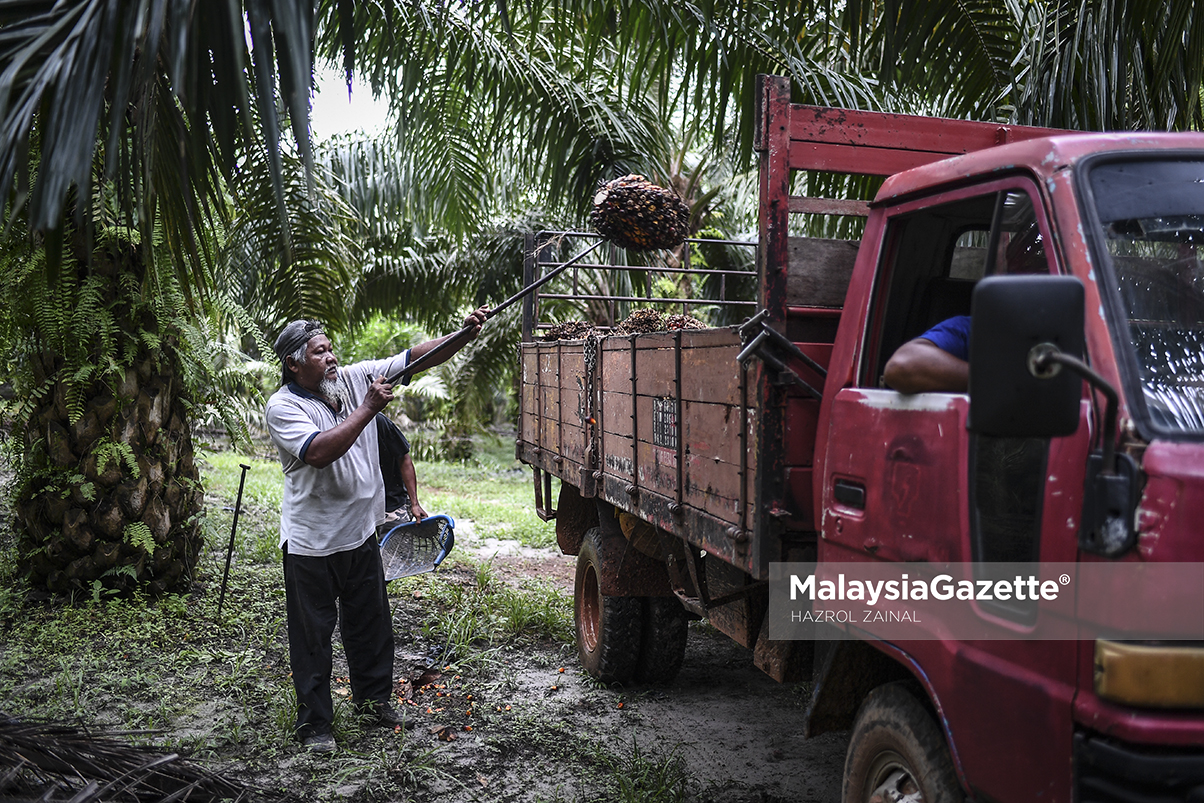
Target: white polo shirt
337,508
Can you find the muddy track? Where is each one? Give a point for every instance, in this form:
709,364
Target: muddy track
734,732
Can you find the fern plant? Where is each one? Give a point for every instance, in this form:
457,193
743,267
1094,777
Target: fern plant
110,362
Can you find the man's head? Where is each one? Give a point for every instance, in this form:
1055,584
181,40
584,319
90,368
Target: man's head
307,358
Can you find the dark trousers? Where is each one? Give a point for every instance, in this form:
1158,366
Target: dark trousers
355,582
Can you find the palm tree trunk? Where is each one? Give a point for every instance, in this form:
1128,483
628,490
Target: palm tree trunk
109,495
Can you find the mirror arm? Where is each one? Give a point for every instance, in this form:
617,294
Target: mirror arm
1044,362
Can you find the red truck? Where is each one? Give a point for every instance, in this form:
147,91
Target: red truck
691,461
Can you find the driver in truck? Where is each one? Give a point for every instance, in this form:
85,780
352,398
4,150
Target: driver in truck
936,361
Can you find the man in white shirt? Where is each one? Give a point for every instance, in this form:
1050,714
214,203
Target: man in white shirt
333,501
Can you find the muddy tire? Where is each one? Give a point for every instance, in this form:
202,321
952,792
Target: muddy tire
897,752
608,628
663,646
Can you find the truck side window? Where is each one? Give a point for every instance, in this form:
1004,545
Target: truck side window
936,255
932,259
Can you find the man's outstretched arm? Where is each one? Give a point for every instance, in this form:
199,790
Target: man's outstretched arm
472,328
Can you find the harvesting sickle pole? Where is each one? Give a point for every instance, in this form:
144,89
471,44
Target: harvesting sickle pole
460,336
233,529
630,212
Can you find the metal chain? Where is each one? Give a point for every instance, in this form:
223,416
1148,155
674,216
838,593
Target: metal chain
588,405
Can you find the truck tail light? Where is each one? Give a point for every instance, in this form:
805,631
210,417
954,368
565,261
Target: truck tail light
1152,675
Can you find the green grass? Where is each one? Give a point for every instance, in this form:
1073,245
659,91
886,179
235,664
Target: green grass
633,776
222,472
500,501
218,687
136,665
469,619
640,777
258,536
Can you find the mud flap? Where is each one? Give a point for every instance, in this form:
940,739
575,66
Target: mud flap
575,516
784,661
845,672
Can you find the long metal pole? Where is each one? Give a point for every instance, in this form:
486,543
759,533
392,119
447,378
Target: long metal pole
233,529
458,337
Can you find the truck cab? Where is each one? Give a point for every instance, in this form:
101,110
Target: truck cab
911,478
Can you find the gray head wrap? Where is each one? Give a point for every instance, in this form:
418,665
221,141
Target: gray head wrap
292,337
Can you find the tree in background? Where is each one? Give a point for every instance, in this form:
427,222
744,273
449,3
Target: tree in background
1102,66
132,176
107,490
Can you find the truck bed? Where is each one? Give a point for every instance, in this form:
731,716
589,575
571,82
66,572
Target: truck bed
669,427
627,443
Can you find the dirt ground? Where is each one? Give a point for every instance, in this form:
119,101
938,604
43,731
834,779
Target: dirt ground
734,733
518,723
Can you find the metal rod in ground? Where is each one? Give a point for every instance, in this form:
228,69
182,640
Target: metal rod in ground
233,529
417,365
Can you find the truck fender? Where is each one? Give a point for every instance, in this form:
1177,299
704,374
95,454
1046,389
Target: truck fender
847,670
575,516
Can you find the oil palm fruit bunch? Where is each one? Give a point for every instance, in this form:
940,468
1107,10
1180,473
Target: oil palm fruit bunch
641,321
569,330
634,213
673,322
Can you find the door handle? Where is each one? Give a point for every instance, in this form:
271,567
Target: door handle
849,493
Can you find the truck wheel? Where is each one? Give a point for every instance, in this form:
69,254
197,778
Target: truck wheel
897,753
663,646
608,628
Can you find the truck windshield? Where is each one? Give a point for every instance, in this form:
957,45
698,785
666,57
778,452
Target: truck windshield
1152,213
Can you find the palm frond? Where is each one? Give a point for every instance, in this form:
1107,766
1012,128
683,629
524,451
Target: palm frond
159,87
961,52
1099,65
318,275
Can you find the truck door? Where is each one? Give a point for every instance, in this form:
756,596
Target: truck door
905,481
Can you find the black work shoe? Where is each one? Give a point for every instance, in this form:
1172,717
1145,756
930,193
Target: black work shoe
386,716
320,743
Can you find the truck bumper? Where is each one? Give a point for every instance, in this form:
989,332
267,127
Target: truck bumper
1111,771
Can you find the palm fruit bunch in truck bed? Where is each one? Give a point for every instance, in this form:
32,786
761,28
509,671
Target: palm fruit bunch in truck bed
569,330
642,321
634,213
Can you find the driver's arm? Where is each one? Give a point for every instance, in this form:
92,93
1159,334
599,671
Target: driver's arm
920,366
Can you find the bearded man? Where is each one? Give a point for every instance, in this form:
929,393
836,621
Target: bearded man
333,501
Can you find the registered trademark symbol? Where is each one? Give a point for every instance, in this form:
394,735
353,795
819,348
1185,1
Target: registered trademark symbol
1064,579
